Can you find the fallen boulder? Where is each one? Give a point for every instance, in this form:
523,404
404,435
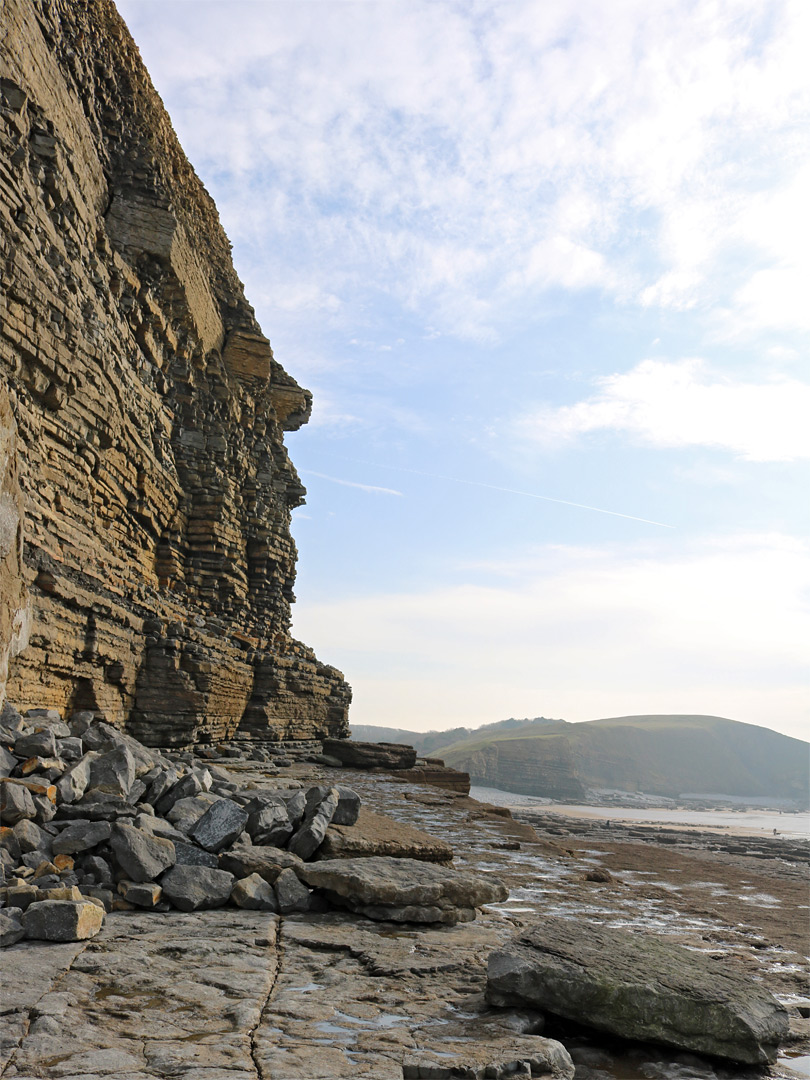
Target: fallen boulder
268,862
62,920
197,888
367,755
309,835
402,890
140,855
219,826
638,987
254,894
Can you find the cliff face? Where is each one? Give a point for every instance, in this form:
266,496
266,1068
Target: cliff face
150,412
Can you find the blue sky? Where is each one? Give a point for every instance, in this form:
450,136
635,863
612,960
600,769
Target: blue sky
527,255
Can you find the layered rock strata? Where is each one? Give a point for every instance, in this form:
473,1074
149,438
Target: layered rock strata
150,413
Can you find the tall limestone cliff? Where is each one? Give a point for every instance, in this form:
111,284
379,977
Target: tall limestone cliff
149,410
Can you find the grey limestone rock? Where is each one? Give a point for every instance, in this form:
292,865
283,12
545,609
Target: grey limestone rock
291,893
187,811
639,987
365,755
69,749
143,894
403,890
16,802
81,835
40,743
309,836
269,823
160,784
140,855
73,783
62,920
11,927
7,762
29,836
190,855
219,826
268,862
348,807
296,807
113,771
184,788
254,893
197,888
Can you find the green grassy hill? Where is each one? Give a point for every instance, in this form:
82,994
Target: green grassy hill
426,742
661,755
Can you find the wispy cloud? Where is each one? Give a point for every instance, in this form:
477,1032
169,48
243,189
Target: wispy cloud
464,159
680,404
372,489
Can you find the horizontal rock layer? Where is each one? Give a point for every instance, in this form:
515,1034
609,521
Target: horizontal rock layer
150,414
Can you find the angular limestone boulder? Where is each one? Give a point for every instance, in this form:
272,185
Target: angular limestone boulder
254,894
73,783
269,823
16,802
348,807
267,862
40,743
140,855
81,835
309,835
197,888
291,894
639,987
62,920
113,772
11,927
402,890
219,826
143,894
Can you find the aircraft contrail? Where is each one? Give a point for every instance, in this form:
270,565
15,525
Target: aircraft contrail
508,491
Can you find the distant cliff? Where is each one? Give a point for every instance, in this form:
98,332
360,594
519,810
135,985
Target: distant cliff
660,755
149,411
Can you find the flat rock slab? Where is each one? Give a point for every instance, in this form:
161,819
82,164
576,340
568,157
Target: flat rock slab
150,997
353,1003
402,890
639,987
377,834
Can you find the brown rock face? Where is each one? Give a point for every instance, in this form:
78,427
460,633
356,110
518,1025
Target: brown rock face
14,608
150,413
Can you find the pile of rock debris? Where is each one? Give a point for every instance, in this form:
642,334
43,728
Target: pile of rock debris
94,821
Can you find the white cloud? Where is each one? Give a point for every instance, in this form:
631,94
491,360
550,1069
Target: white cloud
680,404
464,158
718,627
370,488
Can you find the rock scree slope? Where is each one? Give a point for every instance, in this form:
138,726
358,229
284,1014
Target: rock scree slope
142,416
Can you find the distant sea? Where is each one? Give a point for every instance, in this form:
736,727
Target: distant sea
754,822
